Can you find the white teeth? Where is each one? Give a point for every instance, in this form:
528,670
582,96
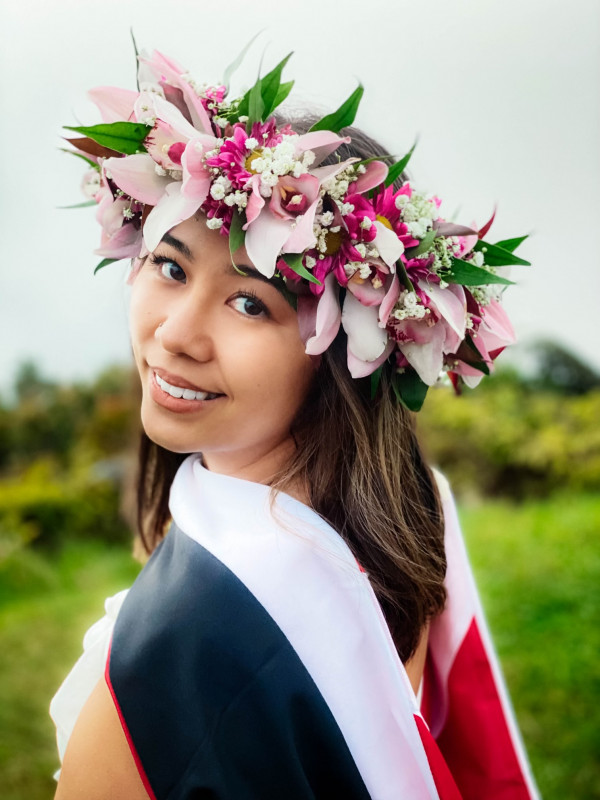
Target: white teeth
178,391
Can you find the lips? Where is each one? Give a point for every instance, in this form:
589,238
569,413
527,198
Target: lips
185,393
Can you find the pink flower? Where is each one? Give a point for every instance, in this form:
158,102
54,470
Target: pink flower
120,219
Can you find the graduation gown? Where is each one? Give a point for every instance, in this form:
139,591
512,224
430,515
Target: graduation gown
251,660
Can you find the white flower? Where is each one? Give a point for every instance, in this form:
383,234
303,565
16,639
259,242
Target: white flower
268,179
361,249
217,191
214,224
326,218
477,258
251,143
346,208
259,164
366,224
127,213
401,201
310,262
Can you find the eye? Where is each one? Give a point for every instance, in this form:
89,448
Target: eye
249,304
169,269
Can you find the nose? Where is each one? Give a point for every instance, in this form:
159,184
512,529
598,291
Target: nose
184,328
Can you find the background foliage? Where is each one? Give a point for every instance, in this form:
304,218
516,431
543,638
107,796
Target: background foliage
522,453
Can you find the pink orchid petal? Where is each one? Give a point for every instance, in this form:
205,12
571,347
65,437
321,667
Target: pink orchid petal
360,369
125,243
256,202
451,229
168,71
427,358
302,236
389,301
264,240
173,208
322,143
496,320
321,317
306,185
324,173
115,105
170,114
387,242
136,176
451,304
376,173
366,293
471,376
366,339
196,178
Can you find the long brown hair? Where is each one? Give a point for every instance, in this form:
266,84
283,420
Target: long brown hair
359,459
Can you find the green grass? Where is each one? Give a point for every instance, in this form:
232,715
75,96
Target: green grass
45,607
538,567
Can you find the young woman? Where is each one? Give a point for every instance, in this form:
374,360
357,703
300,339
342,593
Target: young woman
308,626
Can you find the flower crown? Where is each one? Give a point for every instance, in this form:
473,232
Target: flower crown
355,251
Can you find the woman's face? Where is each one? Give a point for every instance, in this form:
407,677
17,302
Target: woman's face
222,365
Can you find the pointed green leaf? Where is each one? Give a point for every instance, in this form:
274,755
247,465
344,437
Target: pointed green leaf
478,363
423,246
269,86
237,235
238,60
496,256
344,115
511,244
282,93
124,137
104,263
256,105
294,262
80,155
375,381
403,276
467,274
409,389
85,204
398,168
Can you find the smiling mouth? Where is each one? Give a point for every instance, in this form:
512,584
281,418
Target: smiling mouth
185,394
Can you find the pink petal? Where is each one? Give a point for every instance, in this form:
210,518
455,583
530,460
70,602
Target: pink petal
170,114
264,240
366,293
366,339
136,176
451,304
360,369
451,229
427,358
255,202
125,243
115,104
496,321
389,301
302,235
196,178
319,320
389,245
324,173
376,173
172,208
322,143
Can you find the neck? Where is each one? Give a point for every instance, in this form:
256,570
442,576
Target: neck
259,467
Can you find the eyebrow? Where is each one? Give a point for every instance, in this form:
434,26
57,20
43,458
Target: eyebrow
248,272
178,245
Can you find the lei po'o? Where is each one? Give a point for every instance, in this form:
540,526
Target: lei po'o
354,250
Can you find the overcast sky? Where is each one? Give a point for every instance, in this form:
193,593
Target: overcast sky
503,94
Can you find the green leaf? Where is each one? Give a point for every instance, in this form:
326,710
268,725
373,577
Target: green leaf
282,93
123,137
237,235
423,246
511,244
104,263
344,115
403,276
409,389
269,86
79,155
294,262
238,60
497,256
85,204
479,363
398,168
375,381
256,105
468,274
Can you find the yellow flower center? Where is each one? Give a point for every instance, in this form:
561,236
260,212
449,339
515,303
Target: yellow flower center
384,221
251,158
333,242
